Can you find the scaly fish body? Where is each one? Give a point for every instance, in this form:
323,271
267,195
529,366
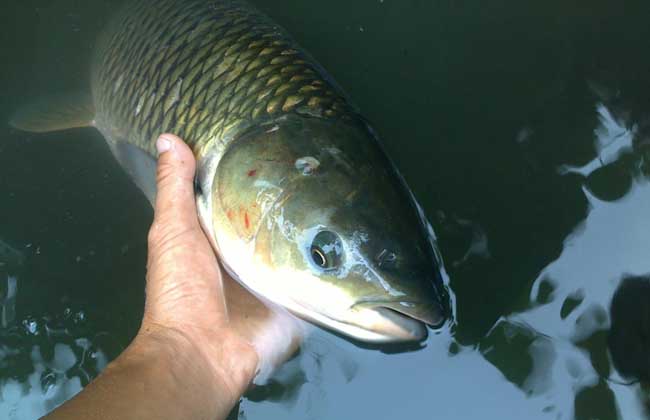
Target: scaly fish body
293,188
204,70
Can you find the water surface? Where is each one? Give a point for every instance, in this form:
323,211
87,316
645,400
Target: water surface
522,128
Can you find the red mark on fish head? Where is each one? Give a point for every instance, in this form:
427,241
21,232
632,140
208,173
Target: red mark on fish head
247,221
252,172
229,213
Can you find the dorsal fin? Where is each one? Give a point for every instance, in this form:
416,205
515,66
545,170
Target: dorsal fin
55,113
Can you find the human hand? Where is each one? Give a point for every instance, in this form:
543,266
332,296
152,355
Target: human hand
185,302
188,293
203,336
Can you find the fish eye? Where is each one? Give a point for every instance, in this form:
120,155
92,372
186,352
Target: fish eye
326,250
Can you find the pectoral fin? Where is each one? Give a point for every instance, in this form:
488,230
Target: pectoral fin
54,113
140,165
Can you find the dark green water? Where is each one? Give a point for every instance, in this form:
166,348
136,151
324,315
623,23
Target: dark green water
522,128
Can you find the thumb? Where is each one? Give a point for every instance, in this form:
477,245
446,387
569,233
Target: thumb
175,206
184,285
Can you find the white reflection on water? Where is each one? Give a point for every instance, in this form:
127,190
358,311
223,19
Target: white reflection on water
611,243
612,140
407,385
49,385
59,361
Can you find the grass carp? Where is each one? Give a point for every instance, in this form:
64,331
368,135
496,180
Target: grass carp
293,188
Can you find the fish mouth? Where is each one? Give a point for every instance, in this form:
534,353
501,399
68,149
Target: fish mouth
395,321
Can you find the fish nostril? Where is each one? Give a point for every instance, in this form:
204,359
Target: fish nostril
386,258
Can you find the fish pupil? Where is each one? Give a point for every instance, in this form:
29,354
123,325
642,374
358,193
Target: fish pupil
319,257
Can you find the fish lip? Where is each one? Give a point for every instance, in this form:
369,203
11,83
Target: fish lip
410,329
433,315
392,320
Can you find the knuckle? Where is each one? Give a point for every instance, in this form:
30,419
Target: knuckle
166,173
162,238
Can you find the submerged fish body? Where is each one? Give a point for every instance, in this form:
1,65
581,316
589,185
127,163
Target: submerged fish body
293,189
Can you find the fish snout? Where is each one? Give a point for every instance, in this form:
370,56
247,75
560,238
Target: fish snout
398,321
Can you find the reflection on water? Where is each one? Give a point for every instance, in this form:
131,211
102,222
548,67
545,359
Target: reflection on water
8,301
49,384
10,261
45,361
565,329
570,323
523,129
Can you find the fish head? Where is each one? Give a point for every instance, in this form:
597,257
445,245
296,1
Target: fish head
337,238
369,271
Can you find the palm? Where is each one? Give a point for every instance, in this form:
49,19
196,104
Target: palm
186,290
191,294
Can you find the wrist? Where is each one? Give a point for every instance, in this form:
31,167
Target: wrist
164,374
220,369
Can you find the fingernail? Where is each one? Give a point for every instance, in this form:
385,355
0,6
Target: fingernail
163,145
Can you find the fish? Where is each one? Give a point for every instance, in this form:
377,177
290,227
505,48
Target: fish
294,191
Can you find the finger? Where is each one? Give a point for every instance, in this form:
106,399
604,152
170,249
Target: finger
175,205
181,264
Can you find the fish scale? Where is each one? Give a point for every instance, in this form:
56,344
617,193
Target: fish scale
203,71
